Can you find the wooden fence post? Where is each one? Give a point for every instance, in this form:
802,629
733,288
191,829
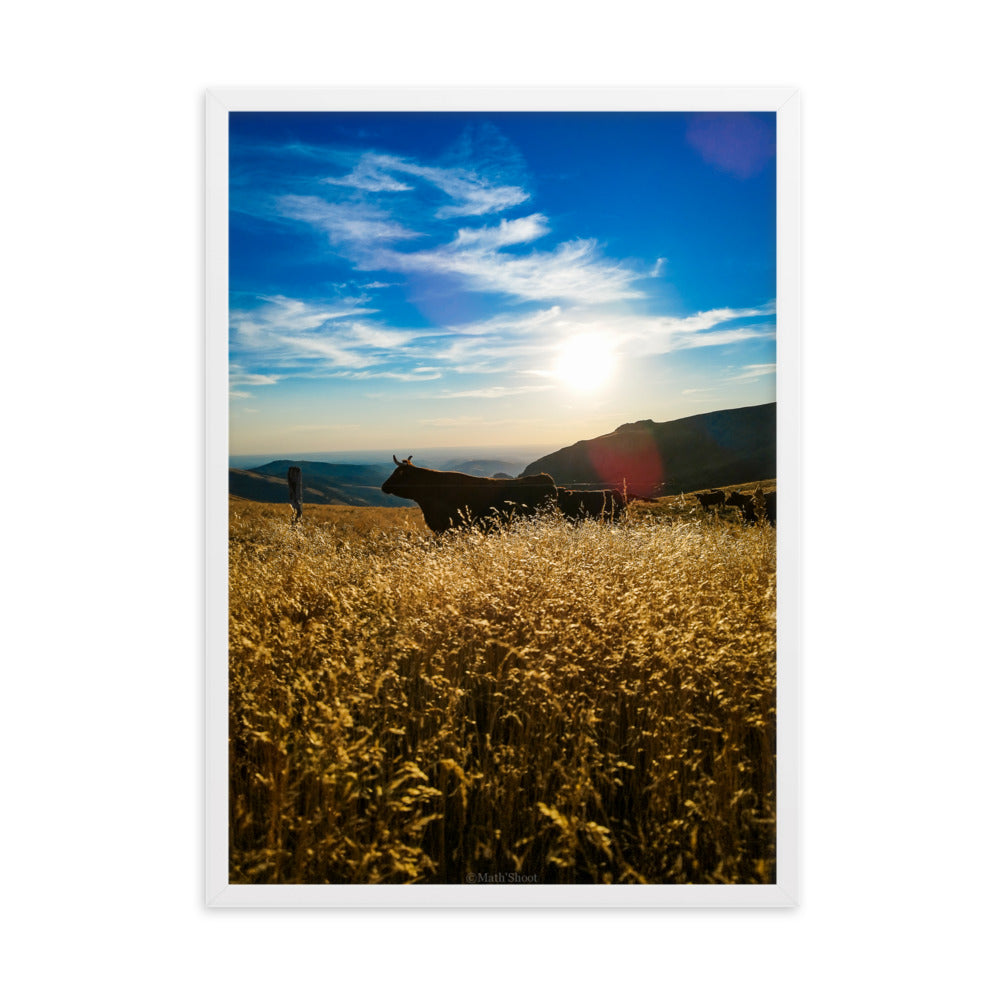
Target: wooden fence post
295,491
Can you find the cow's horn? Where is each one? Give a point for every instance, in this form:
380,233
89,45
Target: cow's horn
410,459
396,460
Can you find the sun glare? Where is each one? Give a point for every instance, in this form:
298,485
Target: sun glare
585,362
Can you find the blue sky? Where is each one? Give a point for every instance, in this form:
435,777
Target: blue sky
410,281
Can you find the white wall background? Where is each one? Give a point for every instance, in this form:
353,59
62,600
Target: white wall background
102,364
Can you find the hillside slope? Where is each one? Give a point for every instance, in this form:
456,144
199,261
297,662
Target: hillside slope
675,456
322,482
249,485
342,474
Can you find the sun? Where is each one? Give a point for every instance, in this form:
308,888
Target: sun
586,362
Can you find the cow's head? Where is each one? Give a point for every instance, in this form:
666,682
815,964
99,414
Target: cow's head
401,479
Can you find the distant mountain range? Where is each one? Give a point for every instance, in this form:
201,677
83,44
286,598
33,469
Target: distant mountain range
677,456
343,475
486,467
322,482
653,459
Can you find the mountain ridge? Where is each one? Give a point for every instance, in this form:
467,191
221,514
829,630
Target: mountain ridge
671,457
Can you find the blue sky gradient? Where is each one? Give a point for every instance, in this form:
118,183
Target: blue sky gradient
408,281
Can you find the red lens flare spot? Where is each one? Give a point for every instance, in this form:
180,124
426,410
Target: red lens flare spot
631,456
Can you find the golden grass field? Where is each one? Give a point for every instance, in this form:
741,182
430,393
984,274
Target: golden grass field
553,702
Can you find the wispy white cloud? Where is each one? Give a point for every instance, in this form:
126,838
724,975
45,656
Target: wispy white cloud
639,336
747,374
245,378
416,375
720,338
513,324
493,392
575,271
240,377
658,267
317,339
708,319
345,223
369,175
484,355
470,192
751,373
300,349
508,233
271,314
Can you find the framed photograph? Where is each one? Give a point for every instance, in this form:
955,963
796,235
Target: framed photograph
501,385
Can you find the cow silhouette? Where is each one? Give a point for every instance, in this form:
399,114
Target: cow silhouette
603,505
754,506
711,498
453,499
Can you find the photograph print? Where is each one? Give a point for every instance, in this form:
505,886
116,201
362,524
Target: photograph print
502,499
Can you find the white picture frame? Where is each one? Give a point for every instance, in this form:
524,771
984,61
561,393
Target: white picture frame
785,102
